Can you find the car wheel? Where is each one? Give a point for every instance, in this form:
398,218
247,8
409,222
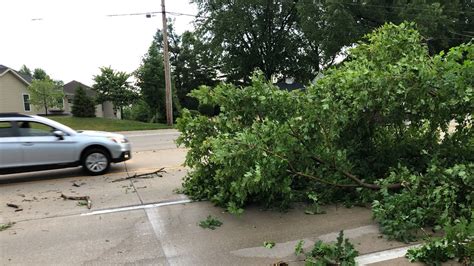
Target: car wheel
96,161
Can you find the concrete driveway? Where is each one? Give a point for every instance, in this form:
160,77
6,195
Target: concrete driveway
144,221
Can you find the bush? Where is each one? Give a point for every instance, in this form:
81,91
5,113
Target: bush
457,244
83,105
139,111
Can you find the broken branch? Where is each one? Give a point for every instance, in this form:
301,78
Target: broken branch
86,198
16,207
156,173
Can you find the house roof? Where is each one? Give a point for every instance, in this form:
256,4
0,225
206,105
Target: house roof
70,88
25,78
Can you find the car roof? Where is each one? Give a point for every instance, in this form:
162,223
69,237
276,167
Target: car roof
13,115
23,117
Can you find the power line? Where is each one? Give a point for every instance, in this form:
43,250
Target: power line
151,13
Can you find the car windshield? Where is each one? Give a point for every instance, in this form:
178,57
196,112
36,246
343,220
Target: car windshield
57,125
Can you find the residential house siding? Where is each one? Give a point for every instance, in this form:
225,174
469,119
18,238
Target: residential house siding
11,94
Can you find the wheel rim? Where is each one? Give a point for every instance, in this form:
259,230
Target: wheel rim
96,162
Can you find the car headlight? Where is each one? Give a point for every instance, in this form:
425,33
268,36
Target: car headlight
118,139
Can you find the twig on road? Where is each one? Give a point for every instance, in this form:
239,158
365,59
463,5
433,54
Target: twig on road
15,206
156,173
86,198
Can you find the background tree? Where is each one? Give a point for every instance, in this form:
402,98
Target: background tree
151,81
25,71
114,86
295,38
40,74
195,65
83,105
252,34
45,94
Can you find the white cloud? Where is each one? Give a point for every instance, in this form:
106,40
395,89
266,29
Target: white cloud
70,40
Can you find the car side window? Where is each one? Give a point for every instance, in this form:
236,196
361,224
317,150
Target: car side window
34,129
6,129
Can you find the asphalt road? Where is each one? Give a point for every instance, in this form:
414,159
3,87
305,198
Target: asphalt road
152,139
145,222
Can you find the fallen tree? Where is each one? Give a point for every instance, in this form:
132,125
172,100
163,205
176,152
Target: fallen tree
373,130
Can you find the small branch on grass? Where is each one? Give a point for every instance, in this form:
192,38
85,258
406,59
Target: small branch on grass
156,173
86,198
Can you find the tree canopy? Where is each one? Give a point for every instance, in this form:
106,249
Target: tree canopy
151,81
114,86
391,127
46,94
25,71
295,38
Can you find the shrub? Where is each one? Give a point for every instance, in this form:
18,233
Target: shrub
83,105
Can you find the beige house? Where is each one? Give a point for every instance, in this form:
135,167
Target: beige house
15,98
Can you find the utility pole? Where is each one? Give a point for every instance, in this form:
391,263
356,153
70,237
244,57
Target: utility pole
169,103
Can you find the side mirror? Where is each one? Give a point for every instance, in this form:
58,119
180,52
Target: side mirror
59,134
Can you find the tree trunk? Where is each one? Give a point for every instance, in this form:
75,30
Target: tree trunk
45,107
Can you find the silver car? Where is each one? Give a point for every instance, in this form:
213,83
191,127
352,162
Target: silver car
31,143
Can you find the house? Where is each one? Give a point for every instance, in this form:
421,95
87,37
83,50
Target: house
289,84
15,97
105,109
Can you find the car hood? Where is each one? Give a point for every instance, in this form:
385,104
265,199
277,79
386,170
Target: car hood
93,133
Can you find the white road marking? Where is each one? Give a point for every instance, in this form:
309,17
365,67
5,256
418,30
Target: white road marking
157,222
137,207
383,255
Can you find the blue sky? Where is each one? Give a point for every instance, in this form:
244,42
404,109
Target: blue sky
70,40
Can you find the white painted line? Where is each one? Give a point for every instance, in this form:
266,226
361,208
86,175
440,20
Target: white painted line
383,255
158,222
137,207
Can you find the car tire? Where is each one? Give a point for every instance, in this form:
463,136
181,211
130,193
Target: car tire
95,161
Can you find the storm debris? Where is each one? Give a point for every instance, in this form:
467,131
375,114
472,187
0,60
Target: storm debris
15,206
6,226
84,200
156,173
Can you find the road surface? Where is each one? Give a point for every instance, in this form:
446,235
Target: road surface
144,221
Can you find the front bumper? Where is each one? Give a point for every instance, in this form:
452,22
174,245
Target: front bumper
126,155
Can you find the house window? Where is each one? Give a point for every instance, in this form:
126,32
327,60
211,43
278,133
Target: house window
26,102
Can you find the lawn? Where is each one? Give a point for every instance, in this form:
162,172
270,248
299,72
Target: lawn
105,124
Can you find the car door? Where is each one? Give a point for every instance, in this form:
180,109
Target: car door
11,154
41,147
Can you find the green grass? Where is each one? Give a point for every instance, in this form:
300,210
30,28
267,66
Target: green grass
105,124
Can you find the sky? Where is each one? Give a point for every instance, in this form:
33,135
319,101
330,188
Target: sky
72,39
